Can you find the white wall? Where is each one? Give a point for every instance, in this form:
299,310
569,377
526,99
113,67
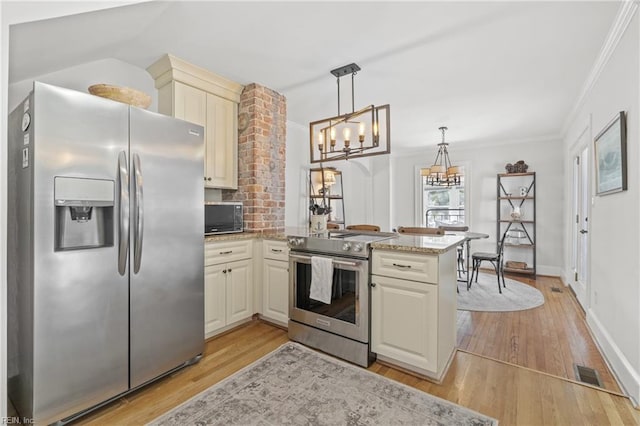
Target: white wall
482,163
80,77
296,175
613,313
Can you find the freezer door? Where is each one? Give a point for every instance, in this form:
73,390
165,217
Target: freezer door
167,244
79,299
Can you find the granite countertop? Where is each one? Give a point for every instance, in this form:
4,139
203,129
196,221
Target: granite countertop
426,244
409,243
271,234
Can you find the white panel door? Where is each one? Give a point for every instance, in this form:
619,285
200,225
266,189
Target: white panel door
404,321
214,298
581,197
275,293
239,290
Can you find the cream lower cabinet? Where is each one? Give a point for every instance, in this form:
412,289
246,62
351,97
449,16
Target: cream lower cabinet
413,310
275,281
228,285
405,321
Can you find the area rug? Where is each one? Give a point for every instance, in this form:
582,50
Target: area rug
484,295
295,385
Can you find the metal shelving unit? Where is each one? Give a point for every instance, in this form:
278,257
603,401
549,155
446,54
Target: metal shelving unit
325,188
523,228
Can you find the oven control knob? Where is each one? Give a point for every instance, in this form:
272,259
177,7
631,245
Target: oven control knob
295,241
357,247
346,247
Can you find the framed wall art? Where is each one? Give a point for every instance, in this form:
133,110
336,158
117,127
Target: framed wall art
611,156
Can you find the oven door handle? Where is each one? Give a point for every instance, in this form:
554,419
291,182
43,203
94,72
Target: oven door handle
335,262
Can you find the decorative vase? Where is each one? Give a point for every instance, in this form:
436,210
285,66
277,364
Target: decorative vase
318,223
516,213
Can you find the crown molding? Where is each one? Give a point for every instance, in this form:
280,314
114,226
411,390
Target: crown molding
170,68
620,24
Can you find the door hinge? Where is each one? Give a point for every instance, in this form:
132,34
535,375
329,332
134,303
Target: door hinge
576,277
578,161
577,218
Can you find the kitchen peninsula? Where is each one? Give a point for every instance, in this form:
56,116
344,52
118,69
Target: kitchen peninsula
413,302
412,282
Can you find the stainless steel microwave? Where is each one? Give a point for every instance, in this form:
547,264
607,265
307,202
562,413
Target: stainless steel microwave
222,217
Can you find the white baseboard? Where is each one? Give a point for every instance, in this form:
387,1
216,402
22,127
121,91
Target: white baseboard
554,271
627,377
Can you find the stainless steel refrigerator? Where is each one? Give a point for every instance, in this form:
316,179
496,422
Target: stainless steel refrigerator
105,250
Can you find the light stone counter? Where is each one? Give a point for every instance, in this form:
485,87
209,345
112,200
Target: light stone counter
273,234
407,243
427,244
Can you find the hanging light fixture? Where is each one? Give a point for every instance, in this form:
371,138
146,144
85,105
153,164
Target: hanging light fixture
442,172
356,134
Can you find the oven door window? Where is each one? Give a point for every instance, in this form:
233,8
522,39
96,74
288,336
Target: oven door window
344,294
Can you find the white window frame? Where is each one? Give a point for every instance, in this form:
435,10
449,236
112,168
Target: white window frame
419,193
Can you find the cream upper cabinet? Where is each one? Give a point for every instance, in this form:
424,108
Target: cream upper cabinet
189,104
221,150
199,96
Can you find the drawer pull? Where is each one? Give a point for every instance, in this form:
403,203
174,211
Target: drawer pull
226,252
276,250
397,265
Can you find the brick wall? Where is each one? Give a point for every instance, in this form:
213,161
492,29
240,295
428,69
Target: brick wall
262,131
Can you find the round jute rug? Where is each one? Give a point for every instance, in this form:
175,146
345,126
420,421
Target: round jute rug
484,295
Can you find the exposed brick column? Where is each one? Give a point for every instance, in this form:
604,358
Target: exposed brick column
262,132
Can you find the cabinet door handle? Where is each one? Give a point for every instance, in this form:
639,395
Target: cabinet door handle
224,271
205,178
209,179
276,250
373,284
397,265
229,270
226,252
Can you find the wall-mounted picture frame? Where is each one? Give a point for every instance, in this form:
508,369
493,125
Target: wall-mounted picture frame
611,156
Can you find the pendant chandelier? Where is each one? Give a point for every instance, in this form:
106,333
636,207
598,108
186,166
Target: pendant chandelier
442,172
356,134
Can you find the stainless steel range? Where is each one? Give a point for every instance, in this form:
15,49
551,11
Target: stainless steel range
340,328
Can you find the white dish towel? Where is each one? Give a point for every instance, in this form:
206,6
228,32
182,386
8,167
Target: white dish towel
321,279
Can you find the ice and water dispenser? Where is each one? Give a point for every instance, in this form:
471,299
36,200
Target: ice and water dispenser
84,213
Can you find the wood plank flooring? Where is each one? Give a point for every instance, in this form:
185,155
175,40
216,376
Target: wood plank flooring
513,395
550,338
486,375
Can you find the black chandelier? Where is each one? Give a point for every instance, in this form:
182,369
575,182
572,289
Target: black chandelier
442,172
356,134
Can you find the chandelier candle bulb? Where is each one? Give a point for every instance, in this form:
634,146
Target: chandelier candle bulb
320,141
333,137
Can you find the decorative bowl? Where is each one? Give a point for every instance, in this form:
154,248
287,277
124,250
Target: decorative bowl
121,94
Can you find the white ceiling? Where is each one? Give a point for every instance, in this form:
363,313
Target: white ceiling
490,71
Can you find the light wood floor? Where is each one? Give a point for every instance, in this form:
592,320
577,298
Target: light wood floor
550,338
511,394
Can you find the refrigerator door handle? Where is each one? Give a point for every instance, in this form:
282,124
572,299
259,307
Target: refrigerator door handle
123,223
138,223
